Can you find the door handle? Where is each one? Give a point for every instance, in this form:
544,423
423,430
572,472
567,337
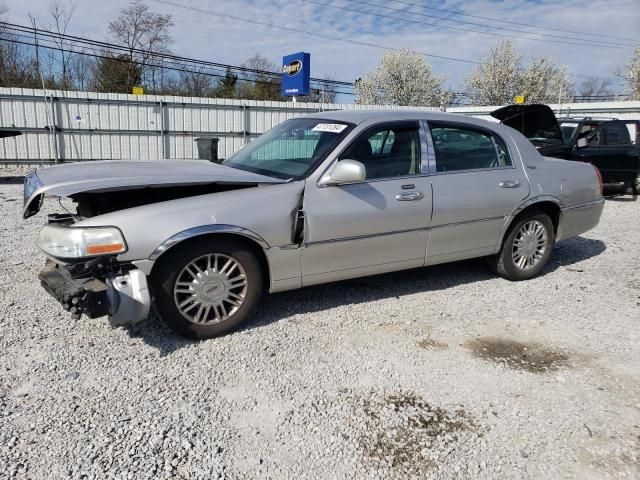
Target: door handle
409,196
509,184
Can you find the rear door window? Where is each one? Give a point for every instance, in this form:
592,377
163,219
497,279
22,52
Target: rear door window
464,148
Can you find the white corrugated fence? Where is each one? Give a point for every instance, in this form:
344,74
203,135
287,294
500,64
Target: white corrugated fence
71,126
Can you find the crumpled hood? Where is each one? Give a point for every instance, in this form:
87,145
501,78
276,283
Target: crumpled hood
537,122
113,175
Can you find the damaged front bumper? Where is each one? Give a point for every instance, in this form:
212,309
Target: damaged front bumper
124,298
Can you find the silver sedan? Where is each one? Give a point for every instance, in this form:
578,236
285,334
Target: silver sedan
317,199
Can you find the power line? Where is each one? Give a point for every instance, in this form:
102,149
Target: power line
304,32
528,32
158,55
584,42
172,67
501,20
125,49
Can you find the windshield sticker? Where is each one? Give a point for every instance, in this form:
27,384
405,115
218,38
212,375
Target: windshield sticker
567,124
329,127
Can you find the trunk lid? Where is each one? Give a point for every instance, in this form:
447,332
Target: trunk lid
537,122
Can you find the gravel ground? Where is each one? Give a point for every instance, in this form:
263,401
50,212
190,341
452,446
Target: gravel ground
444,372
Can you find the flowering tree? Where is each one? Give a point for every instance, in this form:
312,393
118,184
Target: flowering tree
632,75
500,76
402,78
497,78
545,82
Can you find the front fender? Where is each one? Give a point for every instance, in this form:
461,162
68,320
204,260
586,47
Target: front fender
205,230
265,214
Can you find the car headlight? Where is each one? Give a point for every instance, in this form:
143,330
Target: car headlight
71,242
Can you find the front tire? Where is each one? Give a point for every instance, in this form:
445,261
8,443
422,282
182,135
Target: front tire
207,287
526,247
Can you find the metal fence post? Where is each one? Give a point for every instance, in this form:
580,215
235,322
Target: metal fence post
245,123
54,129
162,130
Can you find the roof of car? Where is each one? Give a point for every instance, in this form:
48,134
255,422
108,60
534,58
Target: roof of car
360,116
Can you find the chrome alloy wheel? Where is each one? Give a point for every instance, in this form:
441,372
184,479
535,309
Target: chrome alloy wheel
529,245
210,289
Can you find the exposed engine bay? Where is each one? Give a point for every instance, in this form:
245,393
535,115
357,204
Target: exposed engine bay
91,204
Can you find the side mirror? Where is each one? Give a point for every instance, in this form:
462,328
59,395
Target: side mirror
345,171
582,142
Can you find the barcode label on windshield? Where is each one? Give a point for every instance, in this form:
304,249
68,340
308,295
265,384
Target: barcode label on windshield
329,127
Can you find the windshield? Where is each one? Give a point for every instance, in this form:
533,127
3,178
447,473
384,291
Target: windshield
291,149
568,130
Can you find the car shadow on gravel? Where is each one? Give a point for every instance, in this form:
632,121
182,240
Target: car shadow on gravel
572,251
622,198
156,334
11,180
398,284
369,289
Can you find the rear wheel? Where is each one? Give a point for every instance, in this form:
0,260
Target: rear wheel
208,287
526,248
636,185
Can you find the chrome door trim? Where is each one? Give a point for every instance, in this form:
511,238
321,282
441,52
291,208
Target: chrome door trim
582,205
203,230
444,225
363,237
396,232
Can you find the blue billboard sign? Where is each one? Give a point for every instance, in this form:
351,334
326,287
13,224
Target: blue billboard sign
296,72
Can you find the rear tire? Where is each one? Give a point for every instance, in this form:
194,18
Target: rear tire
207,287
526,247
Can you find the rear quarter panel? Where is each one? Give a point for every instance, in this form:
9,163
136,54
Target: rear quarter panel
573,183
577,187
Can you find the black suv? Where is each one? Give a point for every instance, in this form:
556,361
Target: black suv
612,145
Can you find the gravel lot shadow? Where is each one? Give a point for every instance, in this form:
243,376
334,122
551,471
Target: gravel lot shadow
156,334
398,284
11,180
574,250
368,289
622,198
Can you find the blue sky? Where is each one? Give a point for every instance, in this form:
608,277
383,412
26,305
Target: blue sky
230,41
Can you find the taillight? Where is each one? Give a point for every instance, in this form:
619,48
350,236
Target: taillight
599,175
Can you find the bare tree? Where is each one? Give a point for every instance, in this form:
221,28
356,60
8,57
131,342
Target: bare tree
61,15
143,33
81,68
17,67
196,83
595,87
402,78
259,86
325,93
497,77
631,75
227,85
